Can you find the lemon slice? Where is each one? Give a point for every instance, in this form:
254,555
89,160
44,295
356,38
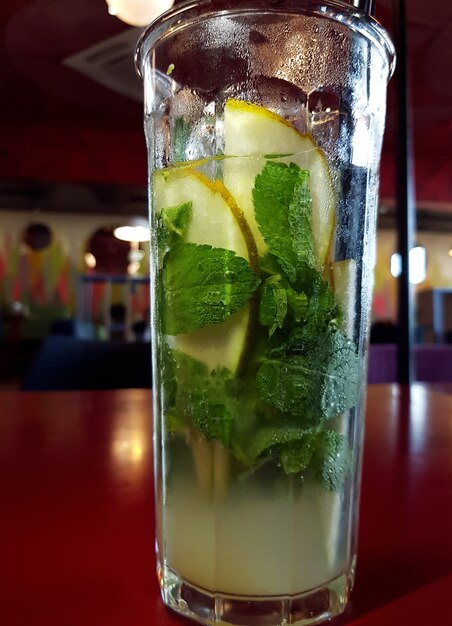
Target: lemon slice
344,283
217,221
252,132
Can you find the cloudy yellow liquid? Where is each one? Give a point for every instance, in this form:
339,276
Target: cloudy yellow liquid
252,541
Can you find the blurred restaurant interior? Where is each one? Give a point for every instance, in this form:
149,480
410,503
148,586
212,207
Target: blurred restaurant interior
73,169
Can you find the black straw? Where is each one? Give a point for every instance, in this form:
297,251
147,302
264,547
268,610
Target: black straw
366,6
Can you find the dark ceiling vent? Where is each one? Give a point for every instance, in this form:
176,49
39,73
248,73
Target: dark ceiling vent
111,63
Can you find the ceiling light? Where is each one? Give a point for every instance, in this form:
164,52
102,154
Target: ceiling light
450,252
138,12
136,230
418,263
132,233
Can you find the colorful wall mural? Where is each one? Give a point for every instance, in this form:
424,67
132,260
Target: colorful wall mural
49,278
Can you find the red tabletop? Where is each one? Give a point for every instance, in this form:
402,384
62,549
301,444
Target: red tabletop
76,510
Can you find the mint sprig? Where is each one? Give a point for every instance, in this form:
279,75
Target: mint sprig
301,372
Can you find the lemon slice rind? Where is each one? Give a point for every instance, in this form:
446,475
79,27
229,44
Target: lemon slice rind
216,221
252,133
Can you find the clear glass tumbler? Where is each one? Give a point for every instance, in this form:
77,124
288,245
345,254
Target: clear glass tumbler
264,125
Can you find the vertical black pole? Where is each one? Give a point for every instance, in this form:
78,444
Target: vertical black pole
405,196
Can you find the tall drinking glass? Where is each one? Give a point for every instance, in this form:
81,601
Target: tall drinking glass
264,125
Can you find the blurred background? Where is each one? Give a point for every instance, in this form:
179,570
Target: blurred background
73,169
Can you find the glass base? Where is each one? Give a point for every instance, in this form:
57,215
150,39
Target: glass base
310,607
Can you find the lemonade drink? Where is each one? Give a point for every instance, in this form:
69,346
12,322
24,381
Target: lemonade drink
258,374
263,224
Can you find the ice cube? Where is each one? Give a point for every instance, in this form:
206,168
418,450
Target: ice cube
276,94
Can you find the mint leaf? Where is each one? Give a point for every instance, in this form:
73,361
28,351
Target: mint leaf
273,193
273,306
300,217
202,285
269,440
171,225
291,384
331,459
269,265
166,372
321,306
296,456
342,383
203,398
324,453
176,219
314,378
298,303
282,206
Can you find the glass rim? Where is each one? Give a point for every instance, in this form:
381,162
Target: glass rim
185,13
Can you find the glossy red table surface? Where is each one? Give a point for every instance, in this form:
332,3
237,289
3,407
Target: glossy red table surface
76,510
